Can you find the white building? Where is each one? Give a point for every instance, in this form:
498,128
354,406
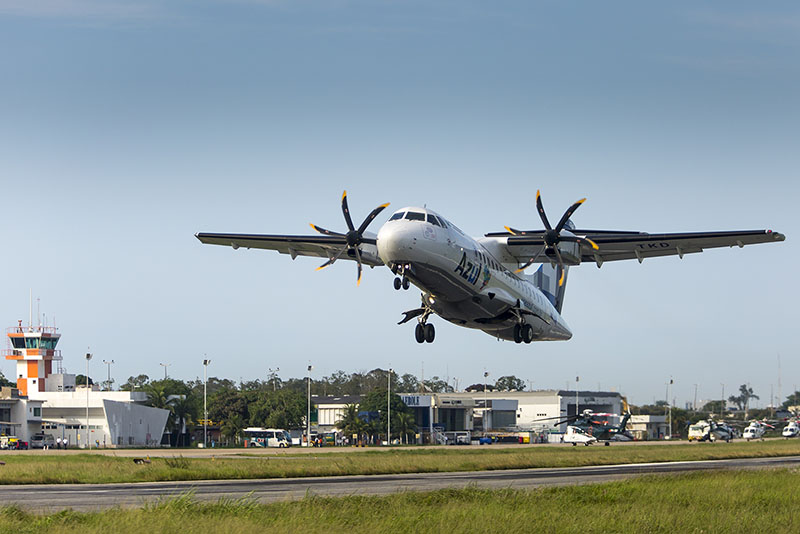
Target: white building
116,418
19,415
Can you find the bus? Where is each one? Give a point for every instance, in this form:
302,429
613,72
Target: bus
266,437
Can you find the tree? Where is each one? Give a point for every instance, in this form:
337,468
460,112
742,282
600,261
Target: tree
742,400
277,409
375,401
5,383
479,387
350,423
716,406
437,385
135,382
791,400
183,412
408,383
80,380
405,425
232,428
509,383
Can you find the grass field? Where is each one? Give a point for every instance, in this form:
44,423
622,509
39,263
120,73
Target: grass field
55,468
723,501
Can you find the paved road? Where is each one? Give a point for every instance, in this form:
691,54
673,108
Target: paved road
86,497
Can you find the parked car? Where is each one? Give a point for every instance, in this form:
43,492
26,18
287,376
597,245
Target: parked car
40,441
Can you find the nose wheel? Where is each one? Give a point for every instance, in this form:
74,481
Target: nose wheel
401,282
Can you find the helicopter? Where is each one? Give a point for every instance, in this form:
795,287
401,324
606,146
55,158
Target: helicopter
755,430
791,430
590,427
711,431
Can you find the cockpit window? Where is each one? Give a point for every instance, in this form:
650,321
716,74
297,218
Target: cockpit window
398,215
415,216
433,220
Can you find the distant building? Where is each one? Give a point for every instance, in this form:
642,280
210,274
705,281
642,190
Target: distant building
19,415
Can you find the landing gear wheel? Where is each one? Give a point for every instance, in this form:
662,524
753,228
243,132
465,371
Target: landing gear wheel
430,333
608,444
397,283
527,333
419,333
406,283
517,333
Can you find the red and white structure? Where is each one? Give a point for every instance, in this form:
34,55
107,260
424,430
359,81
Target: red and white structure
34,350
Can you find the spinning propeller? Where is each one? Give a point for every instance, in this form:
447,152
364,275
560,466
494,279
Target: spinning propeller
353,238
553,236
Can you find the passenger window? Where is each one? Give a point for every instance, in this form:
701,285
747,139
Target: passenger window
398,215
415,216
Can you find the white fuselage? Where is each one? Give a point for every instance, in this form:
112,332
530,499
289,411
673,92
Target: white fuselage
462,280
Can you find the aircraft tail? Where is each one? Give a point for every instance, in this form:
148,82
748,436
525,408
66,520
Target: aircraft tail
546,279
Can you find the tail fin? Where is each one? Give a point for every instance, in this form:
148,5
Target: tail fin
546,279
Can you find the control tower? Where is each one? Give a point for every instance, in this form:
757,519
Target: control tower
34,350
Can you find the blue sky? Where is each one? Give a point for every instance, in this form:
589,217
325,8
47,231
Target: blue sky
129,126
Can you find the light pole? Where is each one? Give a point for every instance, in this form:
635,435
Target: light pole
389,408
205,402
165,365
108,382
485,402
308,417
88,443
577,379
669,403
722,408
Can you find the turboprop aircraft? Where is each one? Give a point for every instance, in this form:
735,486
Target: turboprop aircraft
480,282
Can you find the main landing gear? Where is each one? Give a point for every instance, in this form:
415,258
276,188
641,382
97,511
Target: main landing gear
523,333
424,333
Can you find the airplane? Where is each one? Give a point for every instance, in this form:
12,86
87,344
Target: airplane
480,283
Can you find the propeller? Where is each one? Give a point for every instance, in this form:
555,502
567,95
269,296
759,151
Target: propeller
354,236
552,236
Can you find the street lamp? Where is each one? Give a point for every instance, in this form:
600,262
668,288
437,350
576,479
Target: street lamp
308,417
485,401
389,408
88,443
205,402
577,379
273,376
165,365
108,382
669,403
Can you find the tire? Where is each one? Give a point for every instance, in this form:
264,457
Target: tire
397,283
419,333
517,333
527,333
406,283
430,333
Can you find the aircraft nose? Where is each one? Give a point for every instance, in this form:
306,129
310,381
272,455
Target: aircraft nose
396,244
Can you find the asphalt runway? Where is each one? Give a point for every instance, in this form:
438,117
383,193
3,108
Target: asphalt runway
91,497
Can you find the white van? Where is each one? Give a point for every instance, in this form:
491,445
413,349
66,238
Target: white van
267,437
40,441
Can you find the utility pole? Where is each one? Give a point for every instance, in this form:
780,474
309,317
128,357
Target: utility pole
577,379
88,442
485,401
205,402
669,387
722,407
694,404
308,417
165,365
108,382
389,408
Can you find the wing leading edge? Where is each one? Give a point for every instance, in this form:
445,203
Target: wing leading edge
616,246
319,246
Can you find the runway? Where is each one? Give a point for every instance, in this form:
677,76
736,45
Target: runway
90,497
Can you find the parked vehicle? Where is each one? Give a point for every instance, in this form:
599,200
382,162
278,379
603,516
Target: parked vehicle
267,437
40,441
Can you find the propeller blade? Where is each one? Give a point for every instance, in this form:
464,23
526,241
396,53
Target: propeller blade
331,261
583,241
324,231
346,211
540,209
568,214
358,260
530,262
371,217
560,267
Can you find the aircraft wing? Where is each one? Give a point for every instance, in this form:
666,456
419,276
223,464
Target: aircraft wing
615,246
320,246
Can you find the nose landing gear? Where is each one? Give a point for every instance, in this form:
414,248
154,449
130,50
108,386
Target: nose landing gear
401,280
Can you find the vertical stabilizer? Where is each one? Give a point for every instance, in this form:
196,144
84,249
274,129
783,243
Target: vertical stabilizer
546,279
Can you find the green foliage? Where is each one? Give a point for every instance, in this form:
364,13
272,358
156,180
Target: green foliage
791,400
277,409
80,380
742,400
716,406
509,383
376,401
4,382
135,382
